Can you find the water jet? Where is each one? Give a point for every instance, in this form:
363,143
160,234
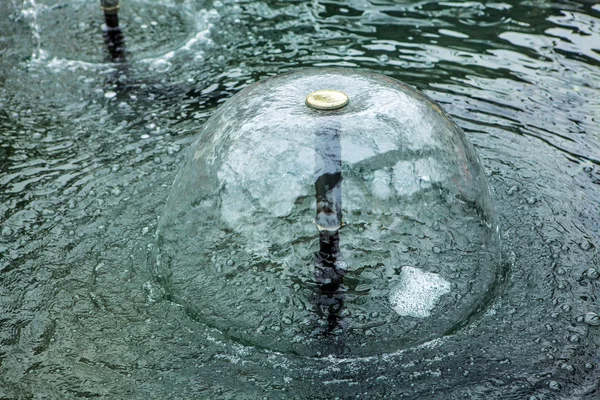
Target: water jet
403,248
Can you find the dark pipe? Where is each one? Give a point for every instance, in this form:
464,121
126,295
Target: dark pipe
111,12
328,183
113,36
329,272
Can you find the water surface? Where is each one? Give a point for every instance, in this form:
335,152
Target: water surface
89,149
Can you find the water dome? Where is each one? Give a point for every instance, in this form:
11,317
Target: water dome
329,212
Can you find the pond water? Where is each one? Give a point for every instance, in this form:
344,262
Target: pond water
89,149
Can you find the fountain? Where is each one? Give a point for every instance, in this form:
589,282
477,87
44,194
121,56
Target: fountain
404,245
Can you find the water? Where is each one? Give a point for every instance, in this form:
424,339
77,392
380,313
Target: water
399,197
89,149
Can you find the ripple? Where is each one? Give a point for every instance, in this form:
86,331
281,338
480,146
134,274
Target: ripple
80,316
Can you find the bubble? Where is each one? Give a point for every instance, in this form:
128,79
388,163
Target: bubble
173,149
567,367
330,218
383,58
574,338
592,273
591,318
512,190
554,385
161,65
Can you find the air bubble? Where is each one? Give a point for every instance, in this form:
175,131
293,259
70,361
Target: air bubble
554,385
567,367
591,318
574,338
592,273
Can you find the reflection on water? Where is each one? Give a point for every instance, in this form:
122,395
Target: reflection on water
88,150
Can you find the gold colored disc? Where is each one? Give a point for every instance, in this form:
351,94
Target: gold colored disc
327,99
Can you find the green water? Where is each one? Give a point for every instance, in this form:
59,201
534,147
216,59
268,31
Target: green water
89,149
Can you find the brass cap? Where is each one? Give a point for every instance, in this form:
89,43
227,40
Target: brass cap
327,99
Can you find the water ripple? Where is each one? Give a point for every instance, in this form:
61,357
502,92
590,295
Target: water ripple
89,148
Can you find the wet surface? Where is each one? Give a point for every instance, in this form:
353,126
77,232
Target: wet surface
89,149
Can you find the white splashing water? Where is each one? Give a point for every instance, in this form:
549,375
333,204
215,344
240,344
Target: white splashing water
30,11
416,292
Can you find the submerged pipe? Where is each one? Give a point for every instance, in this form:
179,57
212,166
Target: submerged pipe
113,35
328,182
328,193
329,268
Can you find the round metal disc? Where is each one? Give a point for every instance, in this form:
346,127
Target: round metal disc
327,99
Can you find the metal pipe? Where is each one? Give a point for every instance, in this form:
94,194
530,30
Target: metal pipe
328,193
113,35
329,267
111,12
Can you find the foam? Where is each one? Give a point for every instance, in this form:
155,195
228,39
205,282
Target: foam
416,292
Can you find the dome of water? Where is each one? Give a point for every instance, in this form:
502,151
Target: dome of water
361,229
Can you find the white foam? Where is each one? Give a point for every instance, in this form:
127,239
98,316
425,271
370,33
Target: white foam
416,292
381,184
